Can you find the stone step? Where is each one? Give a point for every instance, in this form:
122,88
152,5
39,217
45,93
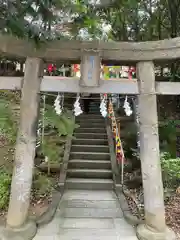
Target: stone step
81,203
79,141
88,116
68,105
90,130
89,155
86,223
90,173
91,135
90,195
123,120
94,229
90,148
91,120
89,213
89,164
95,107
90,124
88,234
95,102
94,111
89,184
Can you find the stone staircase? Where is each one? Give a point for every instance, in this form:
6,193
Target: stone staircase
89,165
90,215
89,208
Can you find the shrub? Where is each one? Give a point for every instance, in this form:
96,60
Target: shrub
170,171
5,183
49,148
64,124
42,185
168,136
8,127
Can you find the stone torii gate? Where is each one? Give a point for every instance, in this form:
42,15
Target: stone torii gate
90,54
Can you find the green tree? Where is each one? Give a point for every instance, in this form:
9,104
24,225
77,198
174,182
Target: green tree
49,19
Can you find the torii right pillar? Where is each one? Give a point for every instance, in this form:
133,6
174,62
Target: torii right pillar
155,226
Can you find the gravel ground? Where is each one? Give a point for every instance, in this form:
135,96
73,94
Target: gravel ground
172,208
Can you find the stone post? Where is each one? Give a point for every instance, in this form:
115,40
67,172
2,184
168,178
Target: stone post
25,147
155,226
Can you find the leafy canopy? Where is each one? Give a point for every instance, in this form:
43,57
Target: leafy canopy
48,19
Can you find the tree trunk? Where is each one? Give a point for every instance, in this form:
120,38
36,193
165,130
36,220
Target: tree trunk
173,15
151,21
26,144
136,24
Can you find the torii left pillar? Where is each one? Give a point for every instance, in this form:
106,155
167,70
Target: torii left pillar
17,225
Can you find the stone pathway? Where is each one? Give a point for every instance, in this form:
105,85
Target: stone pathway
88,215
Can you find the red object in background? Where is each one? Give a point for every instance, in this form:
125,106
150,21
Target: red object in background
76,68
120,157
51,68
131,71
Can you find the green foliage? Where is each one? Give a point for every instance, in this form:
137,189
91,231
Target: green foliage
42,185
130,143
5,182
130,19
63,126
51,150
45,20
65,123
10,96
8,128
167,135
170,171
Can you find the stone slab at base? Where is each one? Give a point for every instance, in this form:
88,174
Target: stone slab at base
25,232
130,218
144,233
49,214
